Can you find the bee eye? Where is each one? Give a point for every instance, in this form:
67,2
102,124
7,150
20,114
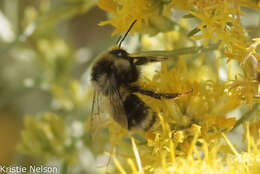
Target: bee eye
119,53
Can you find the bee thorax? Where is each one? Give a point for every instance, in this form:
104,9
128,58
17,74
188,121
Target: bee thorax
104,84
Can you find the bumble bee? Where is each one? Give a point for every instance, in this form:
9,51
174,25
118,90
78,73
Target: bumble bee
113,75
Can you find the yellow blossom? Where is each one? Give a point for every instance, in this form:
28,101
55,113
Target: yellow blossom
126,13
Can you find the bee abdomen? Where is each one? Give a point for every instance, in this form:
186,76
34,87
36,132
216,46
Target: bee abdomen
139,115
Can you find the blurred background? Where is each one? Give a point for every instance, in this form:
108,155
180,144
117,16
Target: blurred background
45,48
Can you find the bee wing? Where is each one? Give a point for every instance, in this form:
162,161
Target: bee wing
117,108
177,52
97,112
97,122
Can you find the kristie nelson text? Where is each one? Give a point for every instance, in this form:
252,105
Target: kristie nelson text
31,169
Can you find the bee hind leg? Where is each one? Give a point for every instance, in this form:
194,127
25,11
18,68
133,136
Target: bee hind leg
155,94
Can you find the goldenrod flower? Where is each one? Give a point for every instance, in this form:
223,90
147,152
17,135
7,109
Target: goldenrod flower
190,134
207,159
213,63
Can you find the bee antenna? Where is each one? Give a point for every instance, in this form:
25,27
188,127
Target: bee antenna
129,29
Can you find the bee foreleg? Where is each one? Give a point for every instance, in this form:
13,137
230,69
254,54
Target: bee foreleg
142,60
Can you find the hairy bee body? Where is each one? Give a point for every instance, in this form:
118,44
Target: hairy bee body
112,75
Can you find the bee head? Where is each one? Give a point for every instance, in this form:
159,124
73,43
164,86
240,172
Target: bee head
114,69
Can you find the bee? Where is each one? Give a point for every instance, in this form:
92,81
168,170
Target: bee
113,75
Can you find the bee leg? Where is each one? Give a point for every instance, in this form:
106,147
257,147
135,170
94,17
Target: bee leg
142,60
155,94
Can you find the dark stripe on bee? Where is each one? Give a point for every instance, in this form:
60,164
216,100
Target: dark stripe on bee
139,115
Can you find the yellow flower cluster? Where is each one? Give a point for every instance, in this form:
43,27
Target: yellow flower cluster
189,126
152,16
190,136
212,60
205,159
